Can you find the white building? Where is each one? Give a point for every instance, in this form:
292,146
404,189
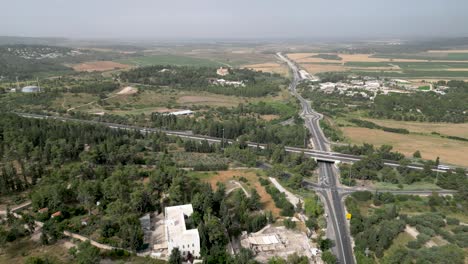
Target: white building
222,71
181,112
30,89
177,236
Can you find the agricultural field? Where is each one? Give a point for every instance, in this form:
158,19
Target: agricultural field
430,65
431,147
99,66
450,129
272,67
170,59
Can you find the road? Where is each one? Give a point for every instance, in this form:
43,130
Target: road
327,179
317,154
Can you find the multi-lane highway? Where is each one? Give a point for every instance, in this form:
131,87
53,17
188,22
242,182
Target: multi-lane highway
329,192
319,155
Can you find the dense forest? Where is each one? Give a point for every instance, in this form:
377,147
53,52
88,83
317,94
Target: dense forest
96,173
257,84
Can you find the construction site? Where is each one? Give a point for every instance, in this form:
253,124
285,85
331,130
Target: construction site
281,242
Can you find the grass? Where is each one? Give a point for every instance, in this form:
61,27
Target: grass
424,88
18,251
401,240
416,74
171,60
450,129
407,187
431,147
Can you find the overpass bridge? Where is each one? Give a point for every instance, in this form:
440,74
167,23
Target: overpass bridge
318,155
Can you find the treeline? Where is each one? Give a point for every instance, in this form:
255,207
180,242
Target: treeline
257,84
233,126
384,152
372,125
424,106
287,209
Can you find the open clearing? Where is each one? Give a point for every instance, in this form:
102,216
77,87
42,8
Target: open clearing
207,100
128,90
252,178
271,67
458,130
99,66
449,151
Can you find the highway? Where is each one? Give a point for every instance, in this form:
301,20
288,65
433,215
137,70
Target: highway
319,155
328,177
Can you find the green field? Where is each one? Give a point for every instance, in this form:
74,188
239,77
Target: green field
415,74
424,88
410,65
170,60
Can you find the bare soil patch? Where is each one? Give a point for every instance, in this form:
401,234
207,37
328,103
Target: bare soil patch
206,100
316,68
269,67
225,176
128,90
269,117
99,66
449,151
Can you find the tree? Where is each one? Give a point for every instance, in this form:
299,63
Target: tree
325,244
254,201
329,258
417,154
176,256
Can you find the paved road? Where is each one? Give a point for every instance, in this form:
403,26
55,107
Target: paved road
318,154
327,179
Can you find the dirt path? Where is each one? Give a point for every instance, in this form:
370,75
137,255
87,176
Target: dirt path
290,196
414,233
238,185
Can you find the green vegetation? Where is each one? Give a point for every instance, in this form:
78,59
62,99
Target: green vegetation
371,125
424,106
376,228
257,84
327,56
426,56
424,88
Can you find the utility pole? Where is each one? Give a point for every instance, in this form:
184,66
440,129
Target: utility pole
222,142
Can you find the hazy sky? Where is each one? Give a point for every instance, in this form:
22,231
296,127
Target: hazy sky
187,19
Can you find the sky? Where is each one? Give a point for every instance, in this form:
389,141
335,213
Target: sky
218,19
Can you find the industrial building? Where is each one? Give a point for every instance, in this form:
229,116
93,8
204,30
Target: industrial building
30,89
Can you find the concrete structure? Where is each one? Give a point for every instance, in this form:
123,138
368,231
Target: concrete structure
31,89
223,82
145,222
222,71
177,236
181,112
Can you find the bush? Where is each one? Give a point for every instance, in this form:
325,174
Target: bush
289,224
452,221
362,195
